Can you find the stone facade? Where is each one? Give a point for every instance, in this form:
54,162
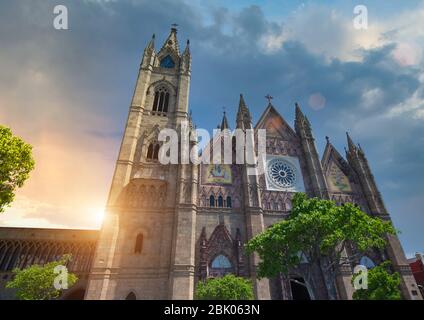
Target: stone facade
169,226
195,219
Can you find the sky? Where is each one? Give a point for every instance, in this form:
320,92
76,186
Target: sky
67,92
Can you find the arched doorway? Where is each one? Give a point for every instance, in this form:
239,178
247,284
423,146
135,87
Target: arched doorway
77,294
299,291
131,296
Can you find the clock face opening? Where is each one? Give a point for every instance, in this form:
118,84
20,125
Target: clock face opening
281,173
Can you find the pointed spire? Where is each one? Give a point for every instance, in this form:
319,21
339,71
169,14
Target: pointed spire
328,139
361,152
149,53
243,114
350,143
299,113
242,105
300,117
186,59
187,48
171,42
243,109
224,122
151,44
301,123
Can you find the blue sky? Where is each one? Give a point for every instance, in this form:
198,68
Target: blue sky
68,92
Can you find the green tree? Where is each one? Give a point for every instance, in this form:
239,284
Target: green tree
38,282
228,287
316,234
382,284
16,163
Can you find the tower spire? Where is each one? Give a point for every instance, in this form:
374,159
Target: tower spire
299,113
171,42
187,48
301,121
224,122
149,53
350,143
243,114
242,105
151,44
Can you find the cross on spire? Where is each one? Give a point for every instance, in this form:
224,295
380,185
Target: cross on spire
269,98
174,26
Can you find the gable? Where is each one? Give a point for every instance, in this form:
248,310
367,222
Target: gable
336,171
275,125
337,181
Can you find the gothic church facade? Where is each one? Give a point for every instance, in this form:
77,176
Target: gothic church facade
169,226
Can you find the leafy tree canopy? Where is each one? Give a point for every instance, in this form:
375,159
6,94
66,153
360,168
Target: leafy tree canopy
38,282
382,284
16,163
317,231
228,287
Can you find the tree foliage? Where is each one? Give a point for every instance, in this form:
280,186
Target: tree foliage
37,282
382,284
317,231
16,163
228,287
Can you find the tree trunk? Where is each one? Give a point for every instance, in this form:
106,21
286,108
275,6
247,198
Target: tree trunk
317,282
329,277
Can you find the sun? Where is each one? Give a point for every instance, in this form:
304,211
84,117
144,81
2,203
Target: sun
98,214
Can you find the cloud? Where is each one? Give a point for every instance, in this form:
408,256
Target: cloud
68,92
413,107
27,211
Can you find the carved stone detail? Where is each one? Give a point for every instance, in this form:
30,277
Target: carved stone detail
141,193
221,242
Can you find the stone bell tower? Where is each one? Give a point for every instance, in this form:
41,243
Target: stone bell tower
135,255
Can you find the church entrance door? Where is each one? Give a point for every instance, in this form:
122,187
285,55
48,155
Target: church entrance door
299,290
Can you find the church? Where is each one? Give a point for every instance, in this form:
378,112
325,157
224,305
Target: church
167,227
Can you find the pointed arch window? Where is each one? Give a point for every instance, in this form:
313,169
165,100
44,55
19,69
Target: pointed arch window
212,201
167,62
220,202
156,152
139,243
131,296
221,261
150,152
367,261
161,100
166,102
153,152
229,204
220,266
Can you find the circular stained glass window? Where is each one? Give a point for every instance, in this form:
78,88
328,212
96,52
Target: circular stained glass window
281,173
